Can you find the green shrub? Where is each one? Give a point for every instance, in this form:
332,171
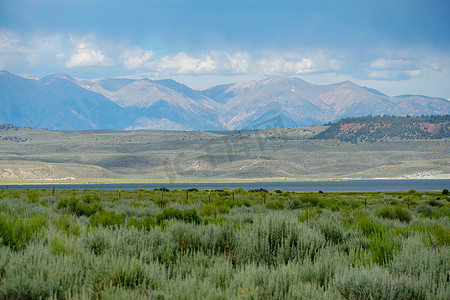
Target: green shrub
87,207
223,209
168,214
148,222
309,199
438,235
208,210
245,203
365,283
188,216
191,216
368,226
424,210
66,225
97,243
309,214
295,204
401,214
15,195
223,192
145,223
394,213
354,204
60,246
332,230
17,232
127,273
331,204
161,202
384,212
90,198
240,191
135,204
230,203
445,192
33,196
382,248
260,190
277,205
107,219
434,202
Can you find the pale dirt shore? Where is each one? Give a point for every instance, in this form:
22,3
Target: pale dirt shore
440,176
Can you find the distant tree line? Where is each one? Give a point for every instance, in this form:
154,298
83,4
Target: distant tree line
6,127
13,139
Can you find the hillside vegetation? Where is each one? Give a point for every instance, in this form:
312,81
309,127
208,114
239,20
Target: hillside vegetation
358,129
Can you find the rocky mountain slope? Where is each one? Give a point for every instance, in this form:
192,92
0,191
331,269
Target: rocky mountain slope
300,103
62,102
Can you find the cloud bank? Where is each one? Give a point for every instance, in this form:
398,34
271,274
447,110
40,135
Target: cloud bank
89,56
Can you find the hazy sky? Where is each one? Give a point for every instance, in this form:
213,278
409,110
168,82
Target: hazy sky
396,46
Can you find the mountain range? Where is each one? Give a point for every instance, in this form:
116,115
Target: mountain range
60,102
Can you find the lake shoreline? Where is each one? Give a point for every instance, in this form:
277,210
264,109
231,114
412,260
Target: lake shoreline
260,180
364,185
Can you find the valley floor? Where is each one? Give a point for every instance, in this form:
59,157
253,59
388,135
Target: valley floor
34,155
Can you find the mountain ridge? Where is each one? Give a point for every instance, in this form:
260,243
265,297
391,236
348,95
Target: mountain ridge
60,101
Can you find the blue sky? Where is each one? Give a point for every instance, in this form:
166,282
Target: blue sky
396,46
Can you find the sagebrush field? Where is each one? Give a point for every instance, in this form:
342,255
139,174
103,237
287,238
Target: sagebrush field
231,244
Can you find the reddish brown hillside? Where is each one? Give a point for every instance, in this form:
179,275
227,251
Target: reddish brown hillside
387,127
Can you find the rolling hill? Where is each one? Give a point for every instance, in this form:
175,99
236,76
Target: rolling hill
360,129
38,155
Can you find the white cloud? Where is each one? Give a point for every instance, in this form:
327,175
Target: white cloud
87,55
238,62
36,55
59,52
289,64
9,42
217,62
414,73
10,49
395,74
54,52
391,64
182,63
404,68
42,49
304,66
138,58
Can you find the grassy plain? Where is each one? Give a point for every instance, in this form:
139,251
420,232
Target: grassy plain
34,155
232,245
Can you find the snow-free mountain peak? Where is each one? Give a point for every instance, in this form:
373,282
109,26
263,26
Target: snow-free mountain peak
60,101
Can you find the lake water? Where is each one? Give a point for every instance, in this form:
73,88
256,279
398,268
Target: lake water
297,186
